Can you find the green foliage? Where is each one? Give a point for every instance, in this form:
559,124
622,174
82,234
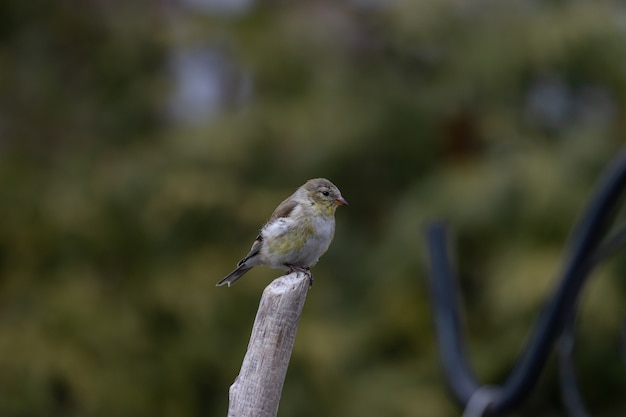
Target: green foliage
117,219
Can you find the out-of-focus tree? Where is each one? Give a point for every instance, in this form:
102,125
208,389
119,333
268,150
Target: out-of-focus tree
142,145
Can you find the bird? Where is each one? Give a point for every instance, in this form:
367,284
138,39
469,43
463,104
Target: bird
297,234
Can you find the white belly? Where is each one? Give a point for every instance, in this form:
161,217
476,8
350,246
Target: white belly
318,244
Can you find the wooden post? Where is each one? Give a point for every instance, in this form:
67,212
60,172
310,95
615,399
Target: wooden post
256,391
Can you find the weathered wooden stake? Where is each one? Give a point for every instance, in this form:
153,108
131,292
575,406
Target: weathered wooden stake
256,391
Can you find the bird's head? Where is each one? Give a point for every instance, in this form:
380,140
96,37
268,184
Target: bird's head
324,193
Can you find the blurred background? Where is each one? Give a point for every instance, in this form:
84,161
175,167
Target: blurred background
143,144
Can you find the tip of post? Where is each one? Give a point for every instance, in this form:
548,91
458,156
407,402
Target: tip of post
289,282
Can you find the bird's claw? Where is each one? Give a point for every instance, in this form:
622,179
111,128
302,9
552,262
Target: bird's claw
304,270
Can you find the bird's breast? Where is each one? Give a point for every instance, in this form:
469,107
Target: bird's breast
324,228
297,241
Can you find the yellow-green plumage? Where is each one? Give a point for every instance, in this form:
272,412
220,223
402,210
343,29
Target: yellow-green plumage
299,231
293,240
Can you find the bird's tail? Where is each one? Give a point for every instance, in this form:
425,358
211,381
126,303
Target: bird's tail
234,276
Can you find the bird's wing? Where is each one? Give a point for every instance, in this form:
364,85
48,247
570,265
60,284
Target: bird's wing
284,209
254,250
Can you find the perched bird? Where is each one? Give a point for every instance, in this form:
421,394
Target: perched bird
298,233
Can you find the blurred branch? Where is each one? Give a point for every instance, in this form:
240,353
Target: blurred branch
584,252
256,391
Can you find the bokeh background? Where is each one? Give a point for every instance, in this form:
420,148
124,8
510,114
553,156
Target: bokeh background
143,144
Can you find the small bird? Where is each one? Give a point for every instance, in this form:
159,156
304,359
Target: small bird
298,232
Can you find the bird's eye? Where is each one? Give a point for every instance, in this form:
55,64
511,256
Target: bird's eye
325,193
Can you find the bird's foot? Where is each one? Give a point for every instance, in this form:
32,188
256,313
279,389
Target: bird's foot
304,270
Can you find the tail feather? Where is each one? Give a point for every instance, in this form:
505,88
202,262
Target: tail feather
234,276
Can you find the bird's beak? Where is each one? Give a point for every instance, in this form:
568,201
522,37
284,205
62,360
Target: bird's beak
341,202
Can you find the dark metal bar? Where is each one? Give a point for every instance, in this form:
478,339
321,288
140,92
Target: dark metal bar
459,375
567,374
579,262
